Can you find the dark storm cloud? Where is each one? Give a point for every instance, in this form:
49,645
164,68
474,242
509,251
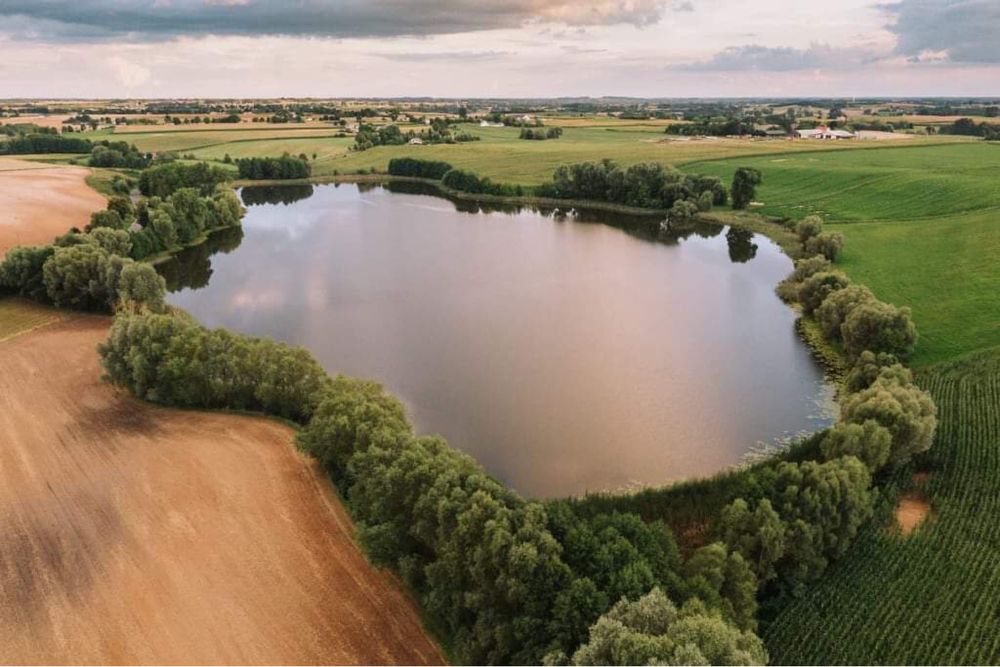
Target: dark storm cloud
968,30
101,19
778,59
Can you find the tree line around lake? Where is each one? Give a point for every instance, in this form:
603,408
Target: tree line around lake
99,267
503,579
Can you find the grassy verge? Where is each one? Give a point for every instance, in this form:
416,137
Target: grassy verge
18,316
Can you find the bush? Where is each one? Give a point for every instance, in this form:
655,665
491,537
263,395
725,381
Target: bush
809,227
905,410
815,289
878,327
828,245
838,305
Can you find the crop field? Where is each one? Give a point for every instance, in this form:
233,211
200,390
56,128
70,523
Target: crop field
20,315
159,141
325,148
930,598
139,534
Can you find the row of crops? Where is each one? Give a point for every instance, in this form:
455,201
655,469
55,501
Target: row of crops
932,597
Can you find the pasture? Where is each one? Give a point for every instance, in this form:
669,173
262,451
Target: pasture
920,226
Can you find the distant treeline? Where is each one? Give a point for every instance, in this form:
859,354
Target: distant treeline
970,128
273,168
540,133
114,154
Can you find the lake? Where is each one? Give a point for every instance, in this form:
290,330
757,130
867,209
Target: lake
566,352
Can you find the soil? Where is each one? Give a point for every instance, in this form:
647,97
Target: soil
913,507
131,533
39,202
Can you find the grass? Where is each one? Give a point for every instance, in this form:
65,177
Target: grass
930,598
19,316
325,148
187,141
921,228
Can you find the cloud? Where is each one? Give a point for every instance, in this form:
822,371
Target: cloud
967,31
164,19
780,59
127,72
451,56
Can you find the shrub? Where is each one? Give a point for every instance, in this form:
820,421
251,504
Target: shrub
809,227
838,305
878,327
869,442
815,289
828,245
903,408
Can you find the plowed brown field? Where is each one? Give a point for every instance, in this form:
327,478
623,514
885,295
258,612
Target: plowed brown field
39,202
136,534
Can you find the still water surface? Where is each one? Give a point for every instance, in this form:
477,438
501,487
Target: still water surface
564,354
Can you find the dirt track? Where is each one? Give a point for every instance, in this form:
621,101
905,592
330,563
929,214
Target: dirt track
39,202
133,534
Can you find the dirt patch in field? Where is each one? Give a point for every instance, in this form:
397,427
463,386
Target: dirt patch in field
41,202
136,534
913,507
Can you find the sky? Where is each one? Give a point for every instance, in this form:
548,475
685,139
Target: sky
498,48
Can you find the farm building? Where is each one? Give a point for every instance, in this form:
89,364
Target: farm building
824,132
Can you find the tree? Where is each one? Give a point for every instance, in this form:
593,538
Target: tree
115,241
744,187
869,442
835,308
141,285
651,630
80,276
122,206
788,289
21,270
106,218
189,212
878,327
163,227
759,535
866,370
905,410
815,289
351,414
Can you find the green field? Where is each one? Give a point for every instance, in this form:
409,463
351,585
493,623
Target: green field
175,140
503,157
325,148
930,598
921,227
